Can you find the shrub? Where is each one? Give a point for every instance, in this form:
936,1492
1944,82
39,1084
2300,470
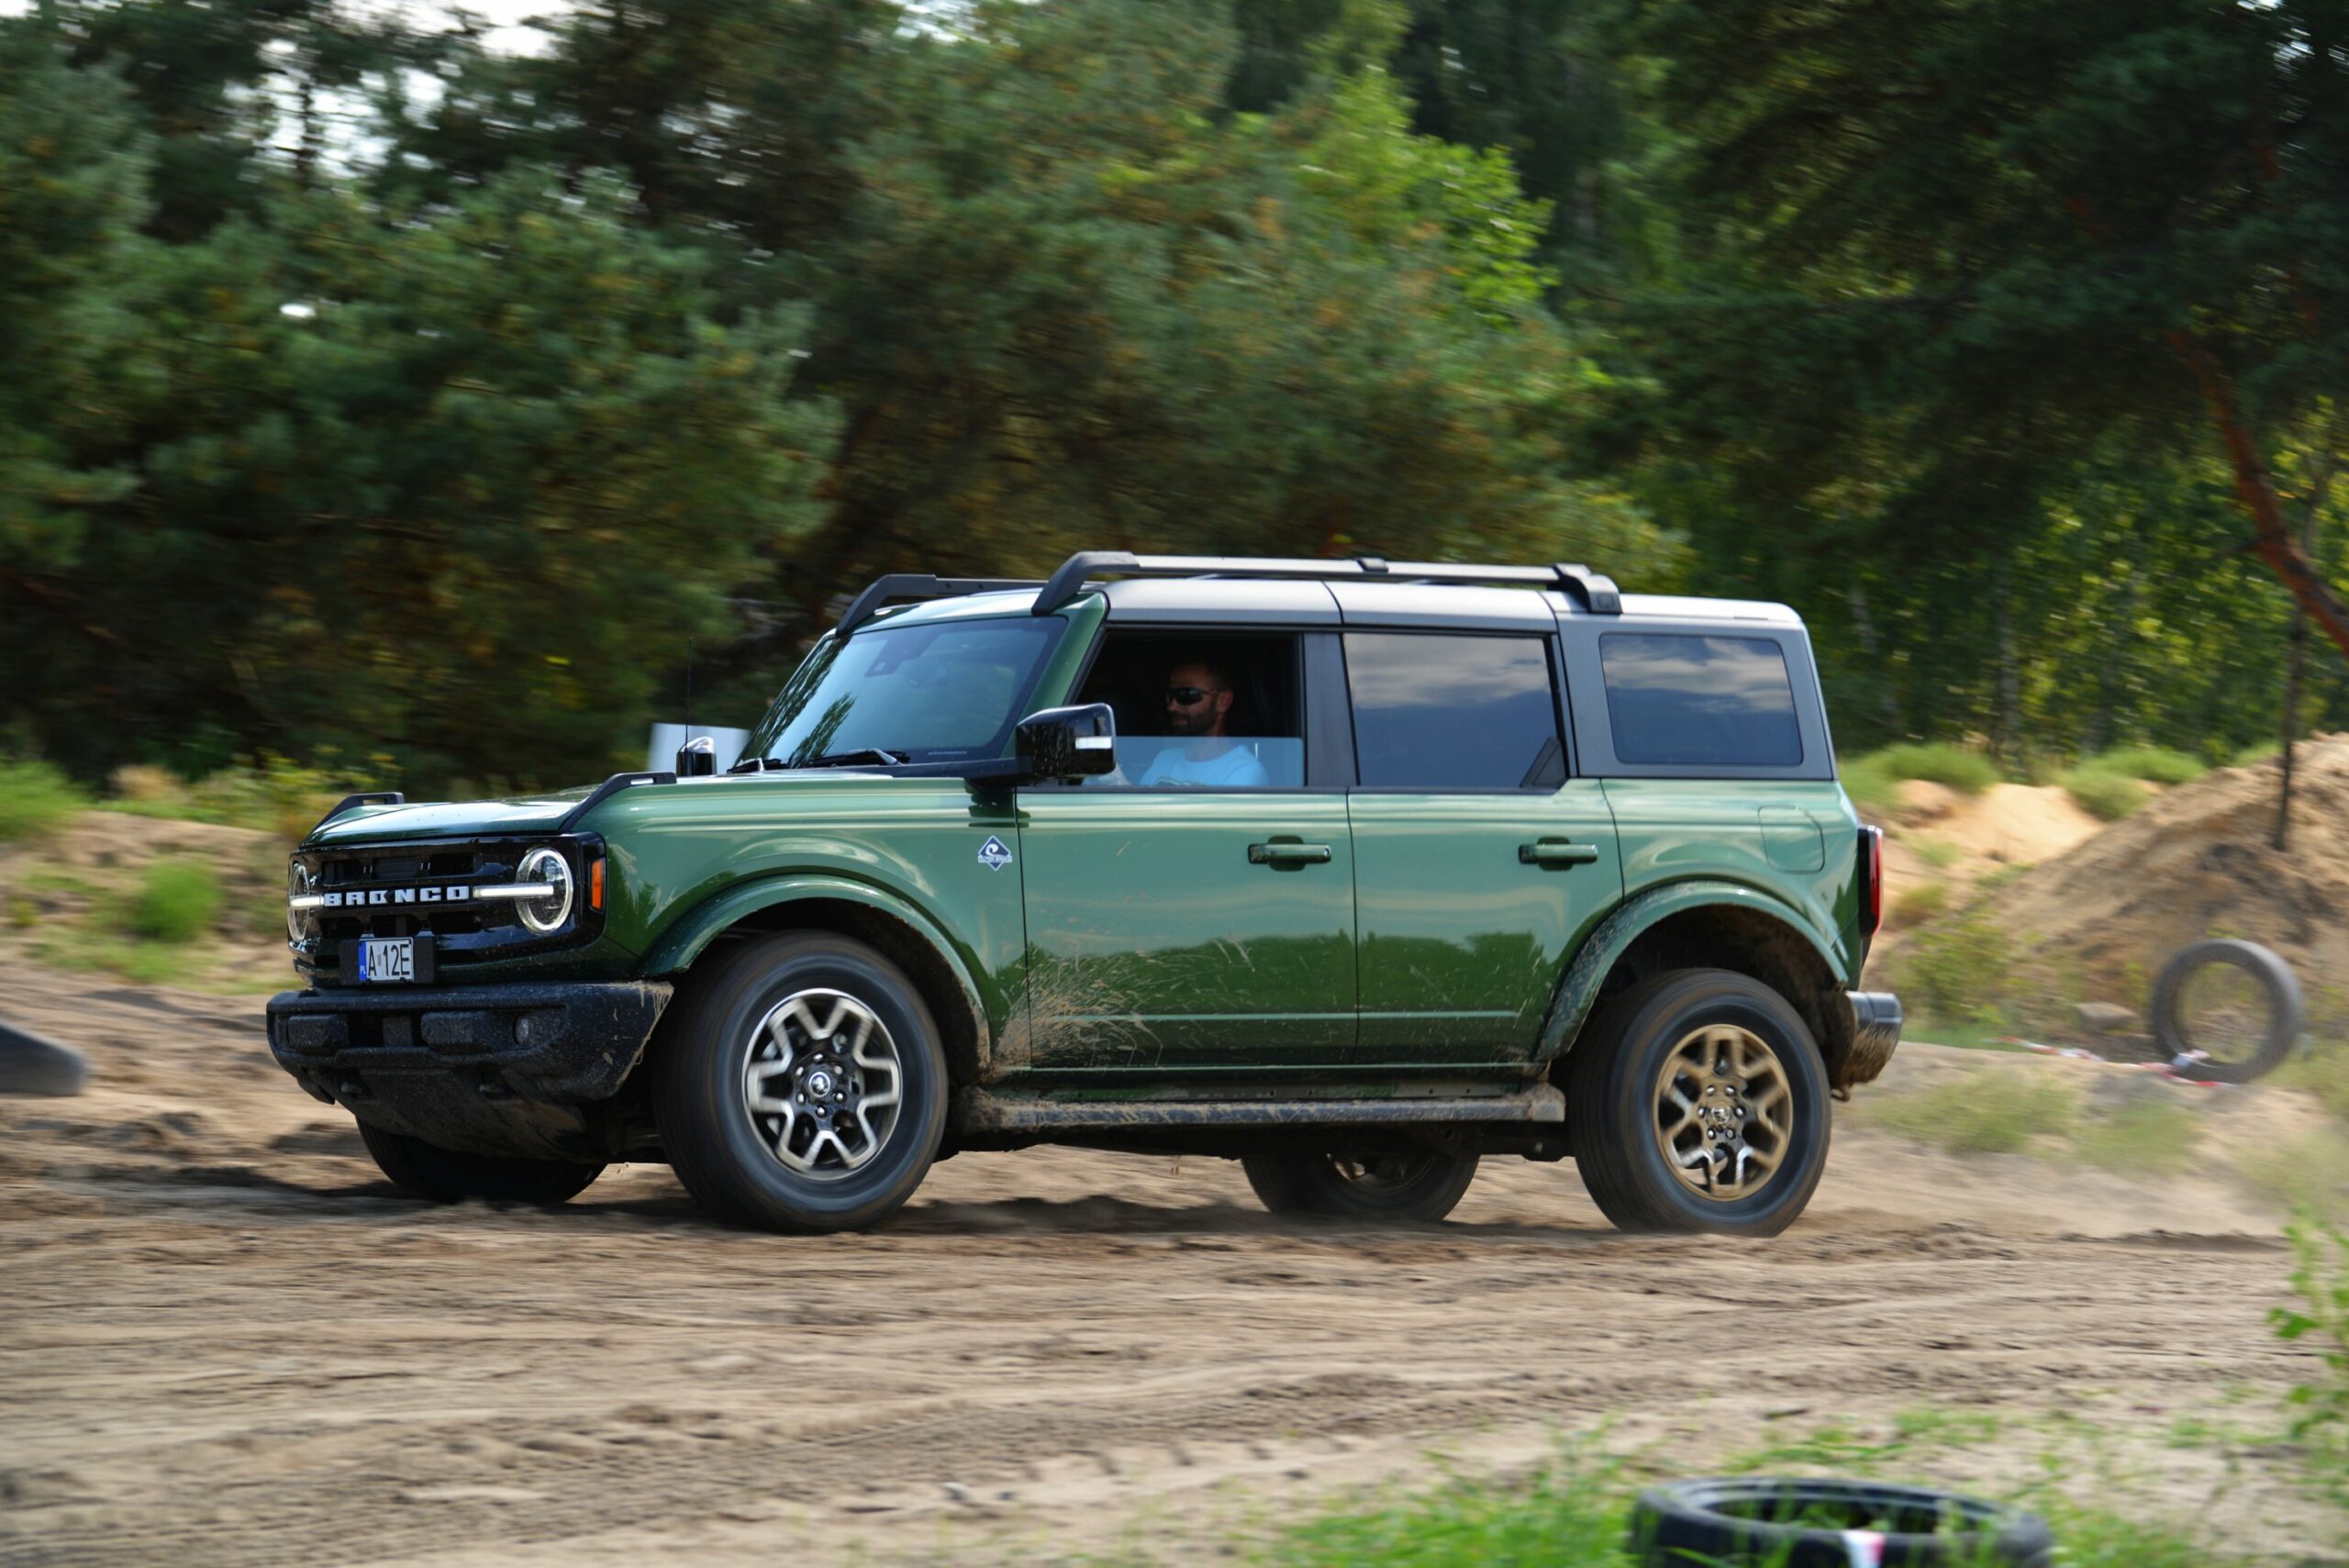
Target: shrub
1917,905
1938,761
2321,1280
1872,788
1957,968
2156,764
2255,753
177,902
35,800
2147,1138
2107,796
272,796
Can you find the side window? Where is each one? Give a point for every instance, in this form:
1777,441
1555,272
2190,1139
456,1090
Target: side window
1207,709
1454,712
1697,701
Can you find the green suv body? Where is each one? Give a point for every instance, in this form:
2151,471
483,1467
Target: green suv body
1459,862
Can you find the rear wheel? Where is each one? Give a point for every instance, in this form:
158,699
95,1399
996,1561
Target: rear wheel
450,1175
1422,1184
800,1085
1697,1100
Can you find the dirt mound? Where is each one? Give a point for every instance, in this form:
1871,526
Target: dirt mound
2196,862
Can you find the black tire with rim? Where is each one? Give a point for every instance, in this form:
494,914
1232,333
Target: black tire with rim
1696,1101
1422,1184
2222,1049
451,1176
799,1084
1802,1523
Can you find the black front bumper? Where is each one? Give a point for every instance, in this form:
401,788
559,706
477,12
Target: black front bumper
521,1069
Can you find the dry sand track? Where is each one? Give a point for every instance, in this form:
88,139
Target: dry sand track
224,1340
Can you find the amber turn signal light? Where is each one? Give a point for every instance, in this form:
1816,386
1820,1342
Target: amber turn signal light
595,883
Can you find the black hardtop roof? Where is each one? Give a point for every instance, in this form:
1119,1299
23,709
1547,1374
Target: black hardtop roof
1596,593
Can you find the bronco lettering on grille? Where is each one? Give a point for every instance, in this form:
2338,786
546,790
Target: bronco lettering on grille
456,893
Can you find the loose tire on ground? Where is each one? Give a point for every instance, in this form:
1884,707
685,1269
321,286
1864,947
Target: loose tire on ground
449,1175
1420,1185
1831,1524
2280,989
1727,1050
799,1084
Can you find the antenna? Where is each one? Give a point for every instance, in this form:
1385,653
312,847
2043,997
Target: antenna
689,688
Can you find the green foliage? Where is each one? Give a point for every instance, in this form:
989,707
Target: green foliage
177,902
1956,968
2107,795
1960,769
2320,1278
35,799
269,794
1984,1113
2155,764
1938,854
1917,905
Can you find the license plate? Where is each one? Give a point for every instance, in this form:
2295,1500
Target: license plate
386,960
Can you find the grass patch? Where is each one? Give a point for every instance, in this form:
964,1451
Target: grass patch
2106,796
1985,1113
1918,905
177,902
1937,761
1958,967
1938,854
2155,764
1576,1510
2323,1071
271,795
35,800
2257,752
2144,1136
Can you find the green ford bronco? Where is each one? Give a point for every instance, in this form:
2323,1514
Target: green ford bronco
1356,870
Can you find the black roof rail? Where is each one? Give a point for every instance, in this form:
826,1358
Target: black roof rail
901,585
1595,593
368,797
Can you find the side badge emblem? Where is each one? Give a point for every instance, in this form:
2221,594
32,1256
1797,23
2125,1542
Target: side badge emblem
993,855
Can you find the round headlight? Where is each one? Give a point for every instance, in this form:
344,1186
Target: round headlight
548,910
298,884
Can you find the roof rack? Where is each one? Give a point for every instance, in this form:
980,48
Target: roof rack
1595,593
898,586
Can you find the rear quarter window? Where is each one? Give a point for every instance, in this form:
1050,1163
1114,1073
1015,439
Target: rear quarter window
1699,700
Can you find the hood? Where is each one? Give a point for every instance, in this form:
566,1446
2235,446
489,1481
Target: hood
449,819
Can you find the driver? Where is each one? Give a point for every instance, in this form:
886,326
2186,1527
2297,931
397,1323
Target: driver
1198,705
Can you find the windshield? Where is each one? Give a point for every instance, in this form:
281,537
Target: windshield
935,693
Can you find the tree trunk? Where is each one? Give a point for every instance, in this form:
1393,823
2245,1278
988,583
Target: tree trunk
2283,834
2255,491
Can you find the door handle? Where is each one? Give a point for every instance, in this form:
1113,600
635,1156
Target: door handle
1288,853
1557,853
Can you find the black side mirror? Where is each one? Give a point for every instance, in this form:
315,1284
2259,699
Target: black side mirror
697,758
1068,742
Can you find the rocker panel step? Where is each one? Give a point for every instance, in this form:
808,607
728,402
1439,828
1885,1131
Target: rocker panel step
977,1110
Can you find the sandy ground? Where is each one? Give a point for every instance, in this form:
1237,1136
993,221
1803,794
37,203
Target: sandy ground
223,1340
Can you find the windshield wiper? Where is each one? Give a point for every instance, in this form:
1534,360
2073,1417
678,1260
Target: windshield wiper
843,759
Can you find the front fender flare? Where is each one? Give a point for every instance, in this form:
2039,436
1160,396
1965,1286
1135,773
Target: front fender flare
691,934
1578,988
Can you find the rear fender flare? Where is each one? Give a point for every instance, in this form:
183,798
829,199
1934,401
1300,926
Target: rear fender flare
1577,990
687,938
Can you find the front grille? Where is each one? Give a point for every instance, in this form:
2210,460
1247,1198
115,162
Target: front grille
461,933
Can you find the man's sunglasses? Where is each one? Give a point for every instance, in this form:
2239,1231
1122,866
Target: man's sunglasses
1186,697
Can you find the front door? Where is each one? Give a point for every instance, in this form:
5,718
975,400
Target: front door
1198,907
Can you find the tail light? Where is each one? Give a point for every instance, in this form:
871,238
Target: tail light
1871,880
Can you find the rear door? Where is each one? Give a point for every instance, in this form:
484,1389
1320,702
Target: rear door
1478,861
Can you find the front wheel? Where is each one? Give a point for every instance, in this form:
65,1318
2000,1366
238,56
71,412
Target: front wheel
1696,1101
1422,1184
800,1085
450,1175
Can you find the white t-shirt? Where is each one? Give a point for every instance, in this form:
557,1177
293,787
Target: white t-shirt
1211,763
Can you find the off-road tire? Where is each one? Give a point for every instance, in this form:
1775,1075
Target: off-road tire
1430,1188
451,1176
1831,1524
1611,1088
701,1104
2286,1009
